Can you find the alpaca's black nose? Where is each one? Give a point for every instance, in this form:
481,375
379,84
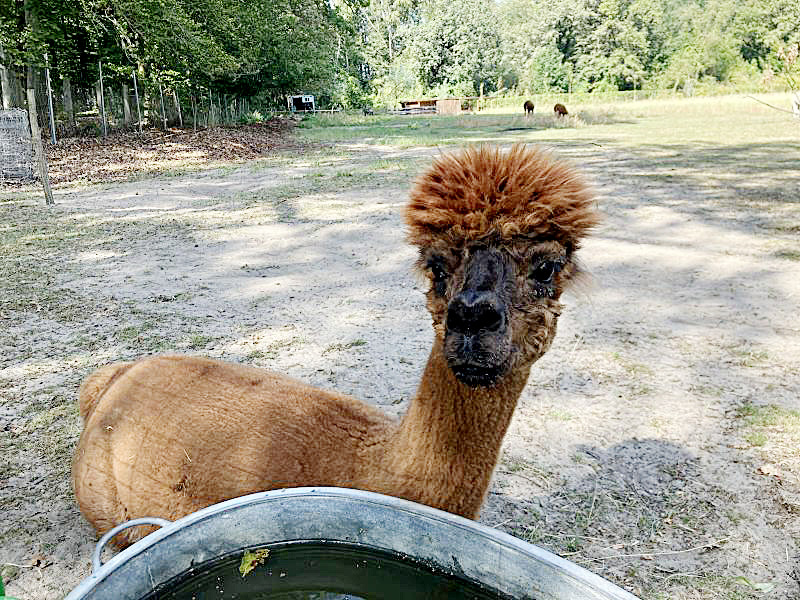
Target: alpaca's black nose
474,312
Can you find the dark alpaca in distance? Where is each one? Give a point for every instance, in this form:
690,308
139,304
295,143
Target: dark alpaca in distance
528,106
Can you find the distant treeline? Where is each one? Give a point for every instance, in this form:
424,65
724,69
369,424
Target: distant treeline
360,52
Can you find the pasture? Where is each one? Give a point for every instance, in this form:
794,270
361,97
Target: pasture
658,441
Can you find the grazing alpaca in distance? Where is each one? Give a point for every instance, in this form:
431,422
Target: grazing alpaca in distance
528,106
497,235
560,110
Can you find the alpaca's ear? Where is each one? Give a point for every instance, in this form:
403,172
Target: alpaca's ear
420,267
580,281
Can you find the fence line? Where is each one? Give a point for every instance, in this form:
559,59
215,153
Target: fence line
130,103
108,106
16,151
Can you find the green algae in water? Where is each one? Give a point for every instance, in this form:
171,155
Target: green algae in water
319,571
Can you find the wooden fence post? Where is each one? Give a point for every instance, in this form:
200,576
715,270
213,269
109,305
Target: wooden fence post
36,135
50,101
103,100
136,93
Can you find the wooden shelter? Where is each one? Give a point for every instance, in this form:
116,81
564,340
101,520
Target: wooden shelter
440,106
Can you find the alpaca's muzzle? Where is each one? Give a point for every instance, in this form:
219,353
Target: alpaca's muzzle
473,313
477,336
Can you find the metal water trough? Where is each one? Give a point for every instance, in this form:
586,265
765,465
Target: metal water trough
438,545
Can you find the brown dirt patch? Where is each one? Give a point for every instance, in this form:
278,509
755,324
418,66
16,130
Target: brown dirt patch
123,156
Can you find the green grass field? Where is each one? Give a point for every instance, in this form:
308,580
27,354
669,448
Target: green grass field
644,123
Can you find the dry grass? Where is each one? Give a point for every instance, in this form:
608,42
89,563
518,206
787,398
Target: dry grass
657,443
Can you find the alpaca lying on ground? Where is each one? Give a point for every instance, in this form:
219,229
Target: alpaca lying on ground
560,109
497,233
528,106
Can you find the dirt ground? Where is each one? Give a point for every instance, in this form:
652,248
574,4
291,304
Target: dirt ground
636,449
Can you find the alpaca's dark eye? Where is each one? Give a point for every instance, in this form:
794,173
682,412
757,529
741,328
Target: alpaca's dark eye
439,276
543,271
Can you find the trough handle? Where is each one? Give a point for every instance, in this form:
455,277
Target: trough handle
98,549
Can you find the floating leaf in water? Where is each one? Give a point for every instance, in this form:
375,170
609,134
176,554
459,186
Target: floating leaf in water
250,560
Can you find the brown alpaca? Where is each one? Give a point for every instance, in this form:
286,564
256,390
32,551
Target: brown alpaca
497,234
560,110
528,106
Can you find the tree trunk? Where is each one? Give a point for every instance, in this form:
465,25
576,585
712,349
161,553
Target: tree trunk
126,104
18,84
178,106
146,102
163,108
5,81
69,109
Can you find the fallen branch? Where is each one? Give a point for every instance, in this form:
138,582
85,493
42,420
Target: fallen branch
708,546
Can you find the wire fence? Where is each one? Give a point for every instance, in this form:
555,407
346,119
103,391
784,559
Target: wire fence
16,151
117,102
126,102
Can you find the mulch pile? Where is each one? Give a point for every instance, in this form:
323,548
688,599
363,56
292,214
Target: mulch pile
121,156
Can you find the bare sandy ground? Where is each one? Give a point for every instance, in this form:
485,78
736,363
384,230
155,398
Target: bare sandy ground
628,453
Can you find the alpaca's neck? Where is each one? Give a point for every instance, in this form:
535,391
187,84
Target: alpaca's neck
447,445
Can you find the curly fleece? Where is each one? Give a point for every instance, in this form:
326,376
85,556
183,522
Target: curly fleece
482,192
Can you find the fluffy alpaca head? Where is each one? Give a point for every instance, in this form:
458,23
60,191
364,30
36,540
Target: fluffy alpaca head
497,234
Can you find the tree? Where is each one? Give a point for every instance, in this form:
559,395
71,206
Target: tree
546,71
619,43
456,47
166,35
532,57
386,29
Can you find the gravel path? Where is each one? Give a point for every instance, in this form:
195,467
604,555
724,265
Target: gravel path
631,452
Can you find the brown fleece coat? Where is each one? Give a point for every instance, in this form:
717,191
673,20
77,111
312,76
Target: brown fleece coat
165,436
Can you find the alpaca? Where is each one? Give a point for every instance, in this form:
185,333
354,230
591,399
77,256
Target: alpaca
560,110
528,106
497,235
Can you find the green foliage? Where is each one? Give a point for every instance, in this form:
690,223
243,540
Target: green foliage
264,47
446,48
3,592
456,47
255,117
354,53
349,93
387,27
399,82
547,71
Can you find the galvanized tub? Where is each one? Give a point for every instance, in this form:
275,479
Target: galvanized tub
378,544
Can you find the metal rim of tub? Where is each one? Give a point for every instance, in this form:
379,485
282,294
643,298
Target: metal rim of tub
368,520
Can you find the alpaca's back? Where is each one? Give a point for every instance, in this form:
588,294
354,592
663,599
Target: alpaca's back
169,435
95,385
